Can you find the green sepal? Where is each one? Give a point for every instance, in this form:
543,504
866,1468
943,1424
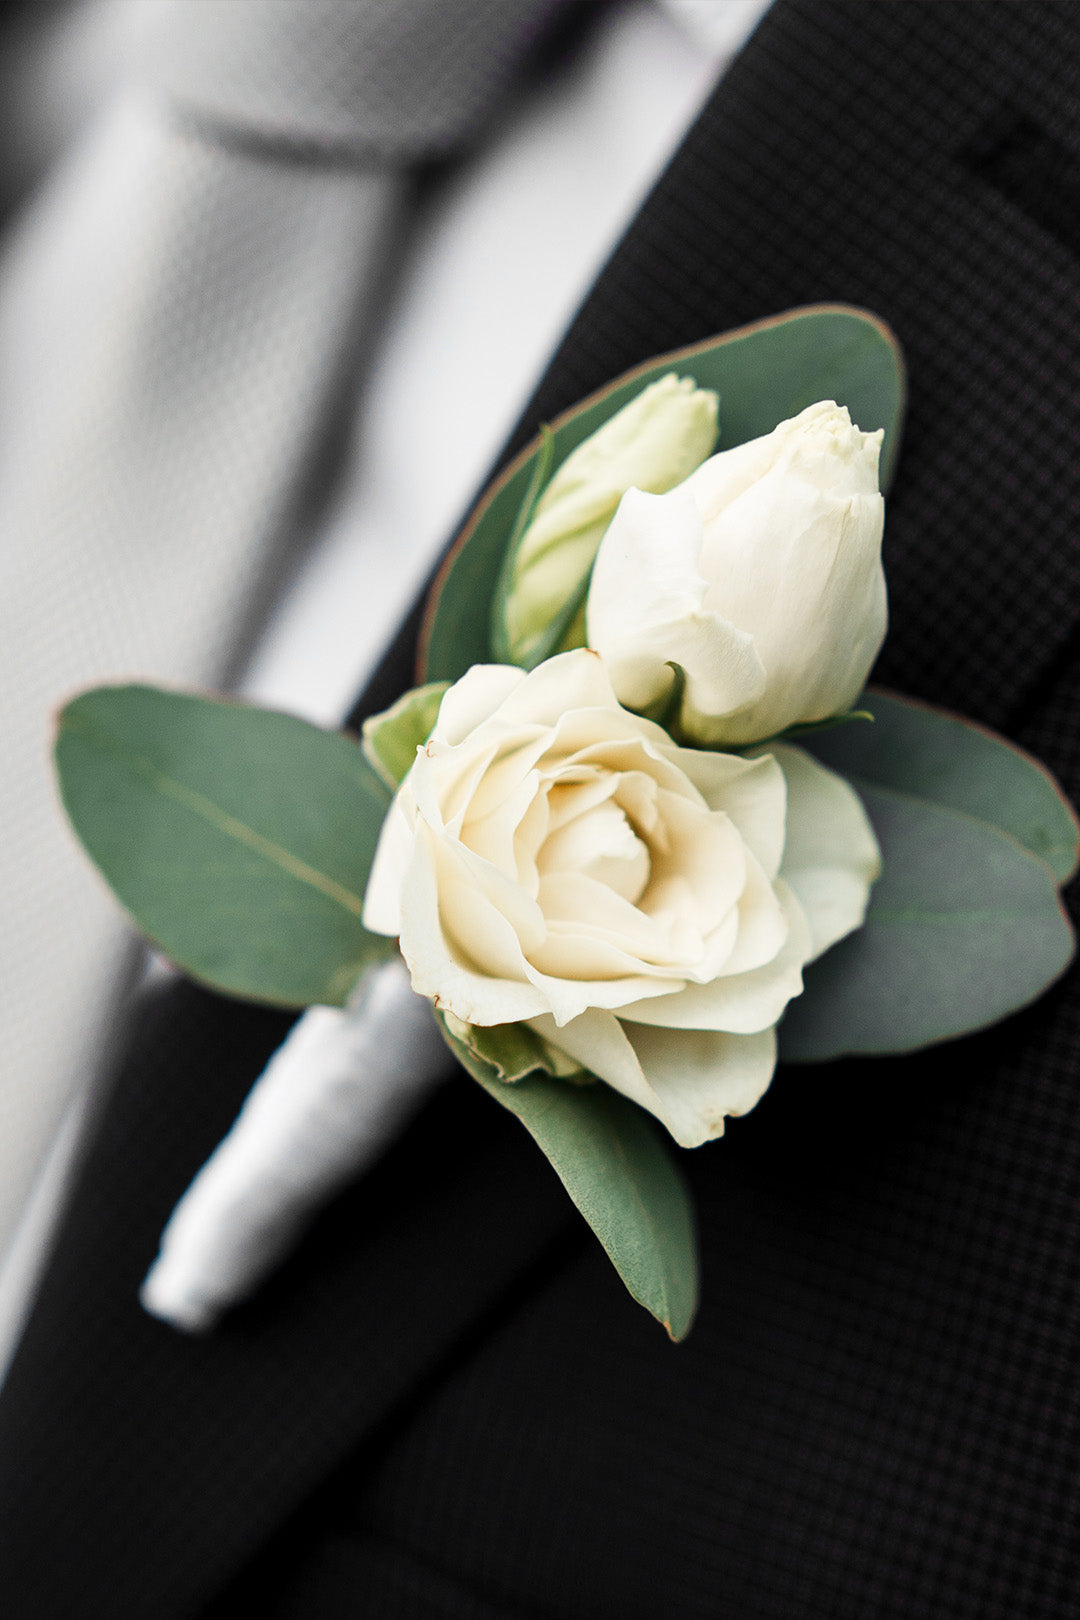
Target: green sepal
619,1174
808,728
390,739
239,840
668,707
513,1051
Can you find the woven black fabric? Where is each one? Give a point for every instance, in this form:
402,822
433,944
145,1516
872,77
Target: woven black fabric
876,1414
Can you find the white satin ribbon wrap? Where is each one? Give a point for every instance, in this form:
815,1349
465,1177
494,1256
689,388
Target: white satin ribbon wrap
332,1097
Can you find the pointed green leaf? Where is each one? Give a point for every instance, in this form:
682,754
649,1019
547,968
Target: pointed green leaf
239,840
390,739
763,374
964,927
626,1184
940,756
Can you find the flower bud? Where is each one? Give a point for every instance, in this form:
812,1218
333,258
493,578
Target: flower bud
653,443
760,576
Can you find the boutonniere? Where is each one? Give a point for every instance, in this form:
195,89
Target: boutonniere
640,829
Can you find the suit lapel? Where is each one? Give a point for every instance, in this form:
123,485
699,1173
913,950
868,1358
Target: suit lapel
169,1460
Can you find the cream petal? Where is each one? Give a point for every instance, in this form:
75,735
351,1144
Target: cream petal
473,699
382,897
742,1003
569,681
721,664
469,889
570,797
588,918
726,476
831,857
529,837
688,1080
439,973
753,792
762,924
602,845
567,997
705,850
700,1077
494,835
443,781
642,749
646,607
597,1040
517,754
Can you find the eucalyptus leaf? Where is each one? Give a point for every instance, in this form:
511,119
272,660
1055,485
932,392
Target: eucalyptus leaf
390,739
965,926
626,1184
763,373
940,756
238,839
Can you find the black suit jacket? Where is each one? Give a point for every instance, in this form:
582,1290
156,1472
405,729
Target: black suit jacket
445,1405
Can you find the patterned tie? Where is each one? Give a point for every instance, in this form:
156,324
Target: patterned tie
181,314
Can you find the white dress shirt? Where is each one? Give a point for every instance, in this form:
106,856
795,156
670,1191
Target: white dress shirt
503,252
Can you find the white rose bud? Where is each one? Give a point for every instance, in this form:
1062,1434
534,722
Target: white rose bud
653,443
760,575
647,909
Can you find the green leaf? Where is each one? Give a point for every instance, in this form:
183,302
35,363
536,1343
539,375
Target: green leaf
964,927
939,756
540,473
807,728
239,840
390,739
763,373
609,1158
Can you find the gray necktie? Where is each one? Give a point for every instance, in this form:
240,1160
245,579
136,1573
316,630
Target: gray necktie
181,313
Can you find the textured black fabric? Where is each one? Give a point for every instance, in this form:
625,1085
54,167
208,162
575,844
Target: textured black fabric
876,1414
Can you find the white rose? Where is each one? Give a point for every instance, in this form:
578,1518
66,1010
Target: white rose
760,574
647,909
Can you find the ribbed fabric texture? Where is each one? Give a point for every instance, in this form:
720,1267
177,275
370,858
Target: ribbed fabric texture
876,1414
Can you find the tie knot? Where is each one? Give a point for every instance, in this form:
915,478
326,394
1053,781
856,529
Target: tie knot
395,79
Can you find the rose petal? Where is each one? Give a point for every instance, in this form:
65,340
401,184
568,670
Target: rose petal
742,1003
689,1080
473,699
647,608
437,971
701,1077
751,791
831,856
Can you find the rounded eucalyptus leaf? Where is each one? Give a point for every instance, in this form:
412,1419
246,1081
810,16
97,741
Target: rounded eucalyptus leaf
238,839
964,927
935,755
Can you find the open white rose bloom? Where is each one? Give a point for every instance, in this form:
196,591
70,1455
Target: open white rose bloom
647,909
760,574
